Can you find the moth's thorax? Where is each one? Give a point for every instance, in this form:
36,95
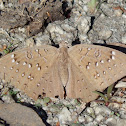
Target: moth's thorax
63,65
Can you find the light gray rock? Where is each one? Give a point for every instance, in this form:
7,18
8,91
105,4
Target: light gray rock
104,34
81,119
121,84
124,39
93,104
83,27
19,115
99,118
21,29
55,108
88,118
64,116
91,124
102,110
43,40
50,117
111,122
19,37
90,110
1,5
7,99
118,12
123,113
58,34
66,102
55,119
30,42
121,122
114,106
118,99
1,86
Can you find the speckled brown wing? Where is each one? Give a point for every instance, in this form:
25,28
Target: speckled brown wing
93,68
33,70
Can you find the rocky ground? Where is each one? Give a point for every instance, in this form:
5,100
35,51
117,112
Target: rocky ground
28,23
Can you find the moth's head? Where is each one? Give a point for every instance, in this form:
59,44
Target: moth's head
64,44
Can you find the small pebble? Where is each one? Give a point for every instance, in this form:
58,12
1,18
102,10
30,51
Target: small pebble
7,99
121,122
30,42
90,110
99,118
22,29
105,34
64,116
102,110
124,39
93,104
111,122
88,119
118,12
1,86
81,119
55,119
1,5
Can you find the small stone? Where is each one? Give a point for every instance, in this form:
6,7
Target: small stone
7,99
66,102
1,5
58,34
111,122
114,105
102,110
90,110
22,29
30,42
123,113
67,27
1,86
105,34
10,5
19,37
74,115
73,102
83,25
50,117
124,39
85,8
64,116
124,16
121,122
99,118
83,37
49,120
55,108
118,12
45,108
81,119
42,39
93,104
55,119
71,110
118,99
88,118
110,1
40,101
121,84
